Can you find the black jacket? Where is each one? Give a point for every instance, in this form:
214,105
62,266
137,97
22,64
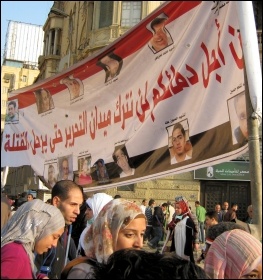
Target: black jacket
158,217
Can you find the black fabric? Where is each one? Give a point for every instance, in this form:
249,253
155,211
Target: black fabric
188,249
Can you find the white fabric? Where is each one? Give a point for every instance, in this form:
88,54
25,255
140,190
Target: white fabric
180,238
143,208
171,213
96,203
173,159
125,175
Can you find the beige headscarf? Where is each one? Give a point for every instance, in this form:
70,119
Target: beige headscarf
101,238
32,221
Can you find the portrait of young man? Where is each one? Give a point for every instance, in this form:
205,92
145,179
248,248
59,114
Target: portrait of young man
161,37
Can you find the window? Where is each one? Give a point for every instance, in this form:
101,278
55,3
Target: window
24,78
106,10
131,13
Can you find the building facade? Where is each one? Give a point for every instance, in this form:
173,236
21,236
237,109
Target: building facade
23,45
75,30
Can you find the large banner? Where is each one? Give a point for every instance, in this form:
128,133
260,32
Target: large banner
166,97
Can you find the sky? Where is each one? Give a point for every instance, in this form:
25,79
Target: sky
34,12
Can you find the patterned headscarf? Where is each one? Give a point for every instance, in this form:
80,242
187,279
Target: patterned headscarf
95,203
183,203
31,222
101,238
232,255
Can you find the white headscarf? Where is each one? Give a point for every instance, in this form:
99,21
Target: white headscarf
95,203
31,222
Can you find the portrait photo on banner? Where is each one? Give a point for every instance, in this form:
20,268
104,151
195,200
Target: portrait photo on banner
112,64
12,111
51,173
44,100
84,170
179,143
65,168
122,160
161,38
101,172
238,118
74,85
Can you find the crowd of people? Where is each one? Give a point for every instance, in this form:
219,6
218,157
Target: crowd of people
74,236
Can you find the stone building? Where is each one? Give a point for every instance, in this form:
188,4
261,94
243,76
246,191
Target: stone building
75,30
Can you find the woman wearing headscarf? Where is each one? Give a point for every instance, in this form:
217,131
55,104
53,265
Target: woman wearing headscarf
182,230
119,225
33,229
5,210
235,254
94,205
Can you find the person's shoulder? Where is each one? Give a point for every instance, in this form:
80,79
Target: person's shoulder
78,268
13,250
16,246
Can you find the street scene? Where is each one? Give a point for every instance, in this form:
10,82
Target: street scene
131,139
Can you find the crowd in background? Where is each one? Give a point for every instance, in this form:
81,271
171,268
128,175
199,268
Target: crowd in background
73,236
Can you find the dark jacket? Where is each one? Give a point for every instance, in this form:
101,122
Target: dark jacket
149,215
190,233
158,217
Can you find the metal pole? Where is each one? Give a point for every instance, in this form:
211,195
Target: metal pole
254,164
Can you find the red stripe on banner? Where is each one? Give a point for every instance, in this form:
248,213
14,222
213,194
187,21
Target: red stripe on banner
127,44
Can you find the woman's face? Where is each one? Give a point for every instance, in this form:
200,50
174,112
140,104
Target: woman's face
132,235
254,274
45,243
178,209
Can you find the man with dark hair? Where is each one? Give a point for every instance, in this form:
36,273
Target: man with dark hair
179,144
30,197
231,215
120,157
12,114
68,197
21,200
161,37
157,227
149,215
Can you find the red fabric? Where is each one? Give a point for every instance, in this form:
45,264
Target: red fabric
15,263
183,206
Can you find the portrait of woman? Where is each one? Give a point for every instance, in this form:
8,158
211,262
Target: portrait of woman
44,100
74,85
112,65
84,171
